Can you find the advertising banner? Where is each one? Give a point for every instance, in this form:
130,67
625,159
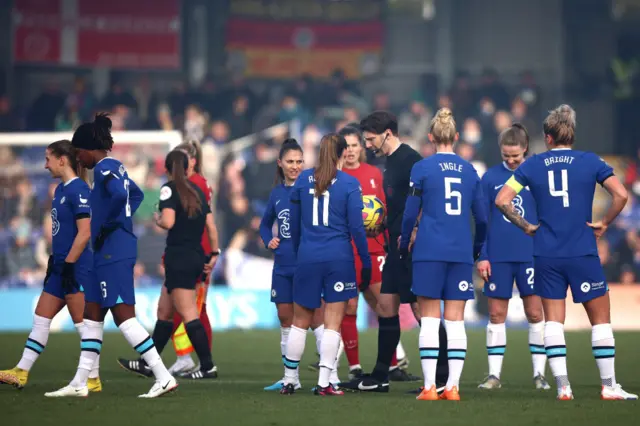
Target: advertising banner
141,34
289,38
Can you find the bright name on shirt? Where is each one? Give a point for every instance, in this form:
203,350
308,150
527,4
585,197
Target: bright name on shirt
451,166
563,159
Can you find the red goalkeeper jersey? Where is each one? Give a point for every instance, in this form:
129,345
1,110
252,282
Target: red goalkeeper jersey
204,187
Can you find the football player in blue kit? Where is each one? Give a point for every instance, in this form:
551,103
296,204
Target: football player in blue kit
69,267
562,182
289,166
447,190
114,200
325,213
508,256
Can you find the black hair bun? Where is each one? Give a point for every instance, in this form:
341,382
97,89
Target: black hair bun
103,121
290,142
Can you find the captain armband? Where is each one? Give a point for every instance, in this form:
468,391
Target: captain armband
514,184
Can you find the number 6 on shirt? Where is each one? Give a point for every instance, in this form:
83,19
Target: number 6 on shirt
325,208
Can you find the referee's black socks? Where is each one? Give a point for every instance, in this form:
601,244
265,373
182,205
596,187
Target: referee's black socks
198,338
161,334
388,338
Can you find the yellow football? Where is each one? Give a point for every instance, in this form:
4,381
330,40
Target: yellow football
373,211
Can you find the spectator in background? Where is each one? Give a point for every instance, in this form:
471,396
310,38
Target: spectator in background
194,123
491,87
462,96
628,275
472,133
151,248
520,114
43,247
608,262
81,101
45,108
117,95
164,120
146,100
381,102
9,120
238,120
292,110
530,93
21,257
218,133
414,122
303,90
467,152
126,118
259,173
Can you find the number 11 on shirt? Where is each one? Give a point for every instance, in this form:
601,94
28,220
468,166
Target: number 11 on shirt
325,208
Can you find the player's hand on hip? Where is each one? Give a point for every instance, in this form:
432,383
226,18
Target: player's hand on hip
210,264
274,243
484,269
531,230
599,228
413,238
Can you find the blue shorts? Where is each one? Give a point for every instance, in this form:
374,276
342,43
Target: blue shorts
331,281
53,285
583,274
443,280
503,274
113,284
282,284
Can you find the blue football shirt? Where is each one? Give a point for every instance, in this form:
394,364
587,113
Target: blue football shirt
562,182
114,200
327,222
505,241
449,189
70,203
278,210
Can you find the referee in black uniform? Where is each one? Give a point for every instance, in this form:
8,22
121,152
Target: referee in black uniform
380,131
184,212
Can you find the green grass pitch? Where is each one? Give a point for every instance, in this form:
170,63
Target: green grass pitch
250,360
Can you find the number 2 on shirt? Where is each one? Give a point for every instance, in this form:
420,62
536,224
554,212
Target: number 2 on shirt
325,208
128,207
450,194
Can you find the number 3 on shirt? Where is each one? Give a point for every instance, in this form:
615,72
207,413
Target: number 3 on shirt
450,194
325,208
128,206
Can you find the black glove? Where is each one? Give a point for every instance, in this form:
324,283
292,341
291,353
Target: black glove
105,231
69,283
365,278
49,269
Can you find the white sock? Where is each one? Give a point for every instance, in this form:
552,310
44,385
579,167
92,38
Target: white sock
185,358
318,333
457,351
95,370
400,352
536,347
556,349
603,346
328,352
339,355
90,348
36,342
284,336
429,344
496,346
140,340
79,328
295,348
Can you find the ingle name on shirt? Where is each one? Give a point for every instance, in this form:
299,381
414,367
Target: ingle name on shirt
451,167
554,160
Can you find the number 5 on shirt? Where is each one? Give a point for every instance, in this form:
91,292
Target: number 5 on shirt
450,194
325,208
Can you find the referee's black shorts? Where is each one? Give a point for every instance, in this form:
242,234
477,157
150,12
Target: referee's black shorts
397,278
182,268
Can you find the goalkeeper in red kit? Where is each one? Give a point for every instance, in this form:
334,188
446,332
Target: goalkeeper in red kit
371,182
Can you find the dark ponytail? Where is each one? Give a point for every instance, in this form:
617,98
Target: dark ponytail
63,148
288,145
176,164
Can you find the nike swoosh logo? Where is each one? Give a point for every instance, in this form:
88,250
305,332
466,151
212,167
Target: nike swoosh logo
165,386
277,202
84,200
365,388
499,186
105,172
